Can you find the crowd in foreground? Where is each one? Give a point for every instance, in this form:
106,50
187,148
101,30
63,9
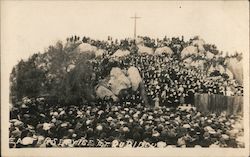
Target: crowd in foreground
164,126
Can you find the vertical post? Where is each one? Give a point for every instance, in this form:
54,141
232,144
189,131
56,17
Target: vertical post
135,17
135,28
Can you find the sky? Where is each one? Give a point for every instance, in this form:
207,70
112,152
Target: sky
28,27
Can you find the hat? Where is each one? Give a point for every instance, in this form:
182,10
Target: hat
126,116
53,120
24,106
167,122
109,119
100,112
26,115
62,112
79,112
186,126
122,122
18,123
27,140
156,134
125,129
71,131
64,124
55,114
135,115
46,126
150,117
162,119
172,115
209,121
99,128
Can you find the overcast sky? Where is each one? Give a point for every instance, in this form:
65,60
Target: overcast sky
31,26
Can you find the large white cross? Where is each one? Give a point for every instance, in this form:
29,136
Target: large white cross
135,17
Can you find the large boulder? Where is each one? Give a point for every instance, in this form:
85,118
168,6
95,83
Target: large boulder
118,81
229,73
135,77
187,62
209,55
114,85
220,68
187,51
163,50
100,53
236,67
121,53
86,48
139,41
145,50
199,43
102,92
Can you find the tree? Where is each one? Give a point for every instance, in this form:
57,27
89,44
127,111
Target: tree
49,74
79,84
26,80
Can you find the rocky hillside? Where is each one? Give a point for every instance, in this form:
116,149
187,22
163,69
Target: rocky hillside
87,70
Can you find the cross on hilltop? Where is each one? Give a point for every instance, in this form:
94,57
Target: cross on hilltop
135,17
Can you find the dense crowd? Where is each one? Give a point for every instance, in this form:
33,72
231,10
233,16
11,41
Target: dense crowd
169,81
175,127
170,87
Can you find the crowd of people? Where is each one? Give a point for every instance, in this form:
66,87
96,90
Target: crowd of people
170,81
111,45
170,86
184,126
